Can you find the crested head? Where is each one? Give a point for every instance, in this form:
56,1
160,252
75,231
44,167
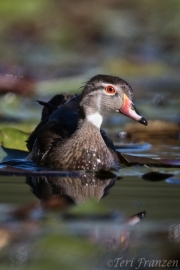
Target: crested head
97,81
105,94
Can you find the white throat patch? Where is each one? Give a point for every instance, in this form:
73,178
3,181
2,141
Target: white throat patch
95,119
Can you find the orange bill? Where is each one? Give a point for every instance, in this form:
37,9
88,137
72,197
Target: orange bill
130,110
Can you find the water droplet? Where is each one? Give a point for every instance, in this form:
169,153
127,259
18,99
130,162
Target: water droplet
122,135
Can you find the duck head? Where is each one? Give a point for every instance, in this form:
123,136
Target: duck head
103,94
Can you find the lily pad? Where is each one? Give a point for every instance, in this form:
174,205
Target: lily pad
135,160
133,147
173,181
130,160
2,154
9,153
173,162
13,138
156,176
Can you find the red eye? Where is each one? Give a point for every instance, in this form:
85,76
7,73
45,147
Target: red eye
110,90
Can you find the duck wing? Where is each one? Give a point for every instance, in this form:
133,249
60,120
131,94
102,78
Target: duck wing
58,123
48,109
53,104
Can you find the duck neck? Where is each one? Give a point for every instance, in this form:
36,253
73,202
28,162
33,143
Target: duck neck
90,116
95,119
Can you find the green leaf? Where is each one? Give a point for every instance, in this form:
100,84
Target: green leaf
13,138
2,154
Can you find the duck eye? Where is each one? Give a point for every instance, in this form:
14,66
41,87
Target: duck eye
110,90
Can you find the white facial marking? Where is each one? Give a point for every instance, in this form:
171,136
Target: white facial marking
99,100
95,119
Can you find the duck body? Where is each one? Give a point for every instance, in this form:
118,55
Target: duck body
89,153
70,137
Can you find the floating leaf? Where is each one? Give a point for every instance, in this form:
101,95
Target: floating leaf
13,138
173,181
9,153
2,154
133,147
130,160
156,176
135,160
173,162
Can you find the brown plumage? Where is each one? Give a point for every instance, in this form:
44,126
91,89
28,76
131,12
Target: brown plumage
69,135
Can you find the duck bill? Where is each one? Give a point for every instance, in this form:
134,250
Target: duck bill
130,110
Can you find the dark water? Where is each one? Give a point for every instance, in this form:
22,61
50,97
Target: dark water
35,209
129,195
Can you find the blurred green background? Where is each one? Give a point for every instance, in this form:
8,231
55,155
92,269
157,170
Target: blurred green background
48,47
54,46
47,40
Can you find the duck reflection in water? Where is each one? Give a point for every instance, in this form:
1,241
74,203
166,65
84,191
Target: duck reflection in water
58,193
71,190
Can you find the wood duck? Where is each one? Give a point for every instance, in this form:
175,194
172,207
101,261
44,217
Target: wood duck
69,136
